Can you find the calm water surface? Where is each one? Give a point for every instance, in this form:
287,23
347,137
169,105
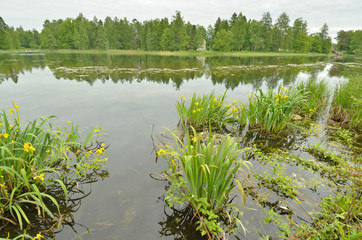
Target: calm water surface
127,95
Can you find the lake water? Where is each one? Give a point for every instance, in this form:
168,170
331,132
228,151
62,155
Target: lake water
128,96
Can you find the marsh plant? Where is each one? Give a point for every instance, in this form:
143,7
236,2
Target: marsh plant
317,94
271,111
347,104
201,111
202,173
37,156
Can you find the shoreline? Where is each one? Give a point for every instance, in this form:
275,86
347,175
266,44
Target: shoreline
169,53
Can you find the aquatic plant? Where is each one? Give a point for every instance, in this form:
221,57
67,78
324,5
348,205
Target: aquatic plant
202,173
339,218
272,111
347,104
317,94
203,111
36,158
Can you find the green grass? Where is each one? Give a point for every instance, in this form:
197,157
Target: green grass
202,173
36,156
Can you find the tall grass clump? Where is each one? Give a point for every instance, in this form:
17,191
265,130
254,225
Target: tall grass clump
271,111
199,112
347,104
37,156
317,94
202,173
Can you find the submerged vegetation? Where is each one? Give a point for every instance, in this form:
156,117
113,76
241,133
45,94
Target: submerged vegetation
37,160
204,160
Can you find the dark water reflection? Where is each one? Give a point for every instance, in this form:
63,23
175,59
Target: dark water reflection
126,95
230,71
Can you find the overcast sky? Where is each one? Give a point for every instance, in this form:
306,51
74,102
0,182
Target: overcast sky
338,14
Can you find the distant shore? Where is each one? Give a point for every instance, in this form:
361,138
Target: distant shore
170,53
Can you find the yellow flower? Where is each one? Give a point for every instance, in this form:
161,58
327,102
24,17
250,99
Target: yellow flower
6,135
0,124
161,151
100,151
181,96
193,111
199,110
102,145
38,237
28,147
277,100
16,107
196,104
11,126
173,161
40,177
97,130
285,96
77,152
106,159
194,139
234,101
229,105
11,111
69,122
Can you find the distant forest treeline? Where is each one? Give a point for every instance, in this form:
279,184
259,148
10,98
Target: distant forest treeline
236,34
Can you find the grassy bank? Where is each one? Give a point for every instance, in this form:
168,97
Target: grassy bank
168,53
